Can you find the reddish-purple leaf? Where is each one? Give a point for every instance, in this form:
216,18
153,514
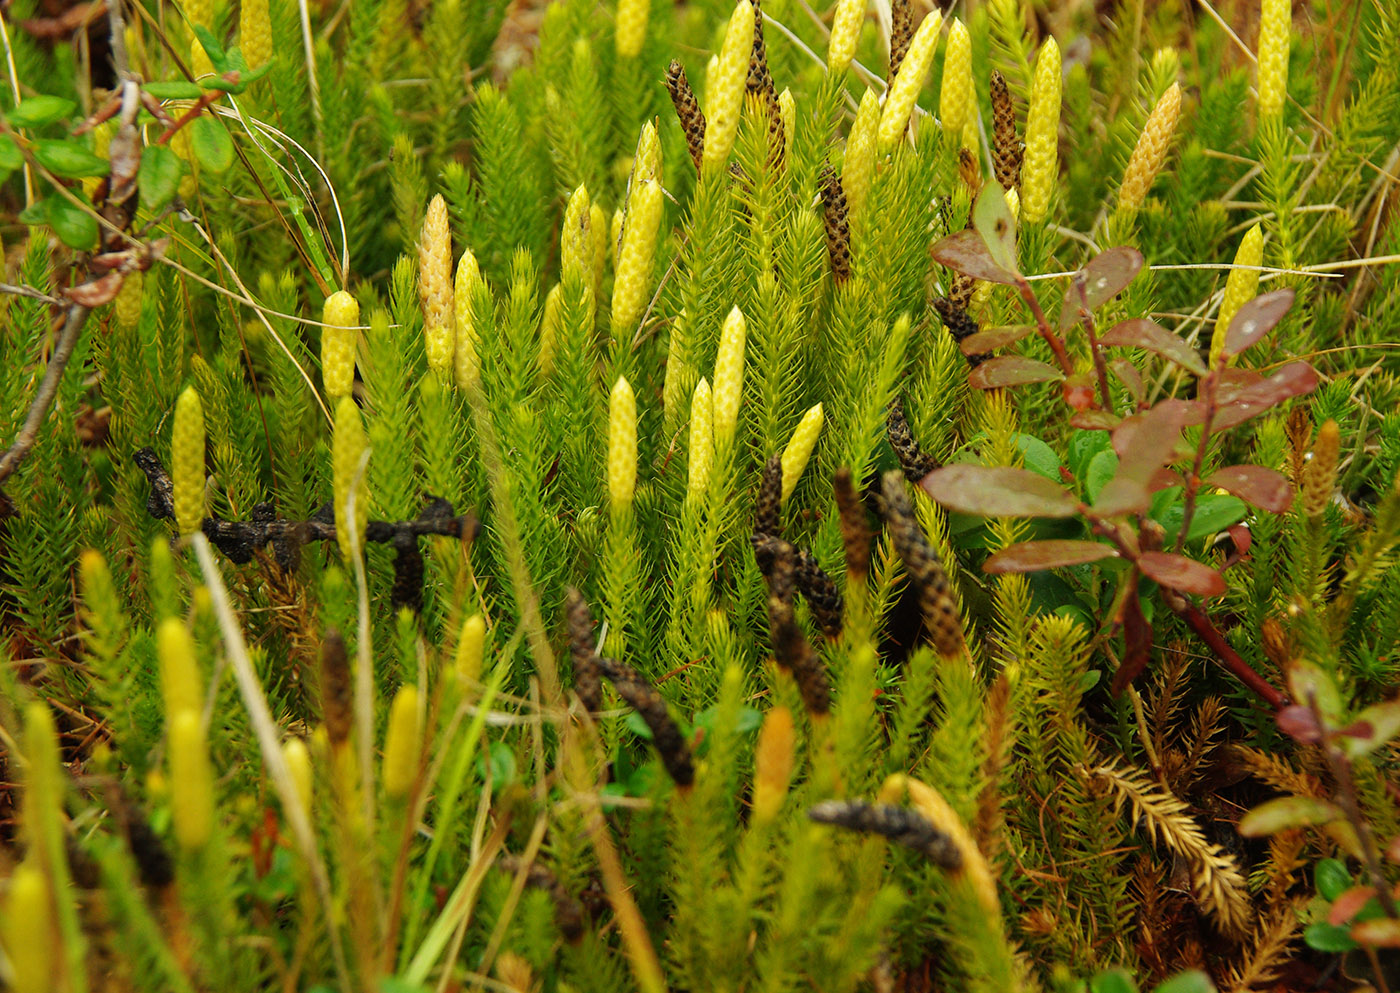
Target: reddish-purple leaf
1101,280
1255,319
1239,405
1230,381
1242,537
965,252
1286,812
1299,723
1011,370
998,491
1142,333
1265,488
1122,495
1164,479
1349,903
1181,573
1032,556
1378,932
96,292
1129,376
985,341
1146,441
1137,640
1381,722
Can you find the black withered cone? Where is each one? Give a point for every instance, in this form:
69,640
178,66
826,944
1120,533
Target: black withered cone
912,459
838,225
760,79
823,597
648,702
1006,145
923,567
899,824
901,34
688,111
767,511
959,323
588,682
855,527
568,912
794,652
337,688
760,82
408,573
791,649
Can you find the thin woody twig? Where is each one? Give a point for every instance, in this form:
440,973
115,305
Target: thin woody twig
32,293
39,409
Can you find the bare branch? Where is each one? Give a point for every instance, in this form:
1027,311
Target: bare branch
24,441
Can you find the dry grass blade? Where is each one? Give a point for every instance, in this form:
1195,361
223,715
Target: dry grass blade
265,729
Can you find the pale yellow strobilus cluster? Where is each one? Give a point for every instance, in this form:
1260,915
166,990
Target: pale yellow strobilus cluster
466,368
631,27
1275,26
622,445
636,258
576,238
402,743
187,462
1240,286
729,375
956,106
724,93
341,317
435,286
702,439
1040,163
1150,153
348,444
845,33
902,94
859,166
799,448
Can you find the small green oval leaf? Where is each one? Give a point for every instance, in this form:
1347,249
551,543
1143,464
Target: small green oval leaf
75,227
159,176
1331,878
1328,938
11,158
38,111
1273,816
174,89
998,491
67,158
211,144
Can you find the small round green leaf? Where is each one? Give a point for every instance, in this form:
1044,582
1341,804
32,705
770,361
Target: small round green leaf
1191,981
1286,812
36,213
67,158
10,156
75,227
1331,878
1328,938
159,176
174,89
38,111
211,144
